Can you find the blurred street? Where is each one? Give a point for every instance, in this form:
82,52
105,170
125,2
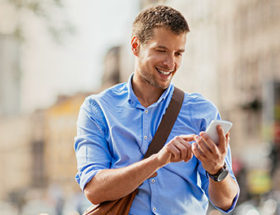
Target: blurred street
232,58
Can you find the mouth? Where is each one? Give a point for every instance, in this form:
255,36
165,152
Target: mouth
164,72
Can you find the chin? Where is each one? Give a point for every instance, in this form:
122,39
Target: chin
164,86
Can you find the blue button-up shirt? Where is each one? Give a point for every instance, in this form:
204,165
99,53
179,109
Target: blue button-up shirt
115,130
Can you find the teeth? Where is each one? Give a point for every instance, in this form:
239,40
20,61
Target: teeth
164,73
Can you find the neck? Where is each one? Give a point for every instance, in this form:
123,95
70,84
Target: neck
144,91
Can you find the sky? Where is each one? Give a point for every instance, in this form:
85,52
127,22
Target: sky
50,69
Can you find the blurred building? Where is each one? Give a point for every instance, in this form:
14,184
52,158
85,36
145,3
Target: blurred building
22,156
9,75
15,154
111,71
60,130
37,151
249,61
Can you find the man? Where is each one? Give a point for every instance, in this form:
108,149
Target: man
116,126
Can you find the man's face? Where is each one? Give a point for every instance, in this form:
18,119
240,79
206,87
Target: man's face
160,58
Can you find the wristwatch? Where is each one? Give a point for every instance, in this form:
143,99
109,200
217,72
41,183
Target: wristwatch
220,175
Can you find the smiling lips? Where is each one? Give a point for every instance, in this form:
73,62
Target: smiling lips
163,72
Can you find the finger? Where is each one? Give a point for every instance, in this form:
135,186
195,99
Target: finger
185,148
188,137
197,152
222,139
208,143
204,148
227,138
174,151
189,153
182,147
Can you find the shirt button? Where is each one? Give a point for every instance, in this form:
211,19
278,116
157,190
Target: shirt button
154,209
145,137
146,111
153,181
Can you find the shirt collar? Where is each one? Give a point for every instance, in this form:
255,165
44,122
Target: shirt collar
132,98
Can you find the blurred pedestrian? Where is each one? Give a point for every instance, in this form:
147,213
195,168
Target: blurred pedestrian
116,126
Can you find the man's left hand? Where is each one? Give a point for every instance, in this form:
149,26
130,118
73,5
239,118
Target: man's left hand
211,155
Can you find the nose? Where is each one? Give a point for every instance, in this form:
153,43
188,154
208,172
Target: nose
169,62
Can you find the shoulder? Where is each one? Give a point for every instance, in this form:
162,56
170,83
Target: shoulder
108,96
199,110
96,106
197,101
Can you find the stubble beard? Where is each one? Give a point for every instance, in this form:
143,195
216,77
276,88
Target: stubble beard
151,80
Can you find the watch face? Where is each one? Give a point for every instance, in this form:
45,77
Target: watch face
223,174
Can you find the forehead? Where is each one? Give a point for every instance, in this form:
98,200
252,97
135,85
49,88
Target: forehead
167,38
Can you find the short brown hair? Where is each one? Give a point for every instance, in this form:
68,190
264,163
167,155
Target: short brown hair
155,17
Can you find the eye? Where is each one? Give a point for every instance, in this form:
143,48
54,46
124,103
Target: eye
178,54
161,50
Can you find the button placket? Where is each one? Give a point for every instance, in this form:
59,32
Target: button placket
145,126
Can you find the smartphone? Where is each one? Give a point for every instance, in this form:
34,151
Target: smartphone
212,129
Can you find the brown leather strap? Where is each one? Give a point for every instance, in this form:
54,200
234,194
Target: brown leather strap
166,123
122,205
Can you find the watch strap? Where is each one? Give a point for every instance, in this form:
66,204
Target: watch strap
220,175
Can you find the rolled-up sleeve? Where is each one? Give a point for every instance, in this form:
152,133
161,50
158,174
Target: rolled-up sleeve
205,182
90,145
213,113
228,161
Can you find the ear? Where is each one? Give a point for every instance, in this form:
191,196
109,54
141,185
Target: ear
135,45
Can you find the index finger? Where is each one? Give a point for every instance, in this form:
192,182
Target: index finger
188,137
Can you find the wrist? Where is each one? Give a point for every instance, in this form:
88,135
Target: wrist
158,160
215,170
220,175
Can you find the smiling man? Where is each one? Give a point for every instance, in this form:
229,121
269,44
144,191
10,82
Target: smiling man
116,127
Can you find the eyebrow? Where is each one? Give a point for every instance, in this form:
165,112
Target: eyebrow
163,47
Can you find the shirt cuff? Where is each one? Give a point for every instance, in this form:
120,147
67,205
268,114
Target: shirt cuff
232,206
85,177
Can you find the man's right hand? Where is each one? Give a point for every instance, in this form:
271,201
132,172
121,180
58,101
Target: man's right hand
111,184
178,149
